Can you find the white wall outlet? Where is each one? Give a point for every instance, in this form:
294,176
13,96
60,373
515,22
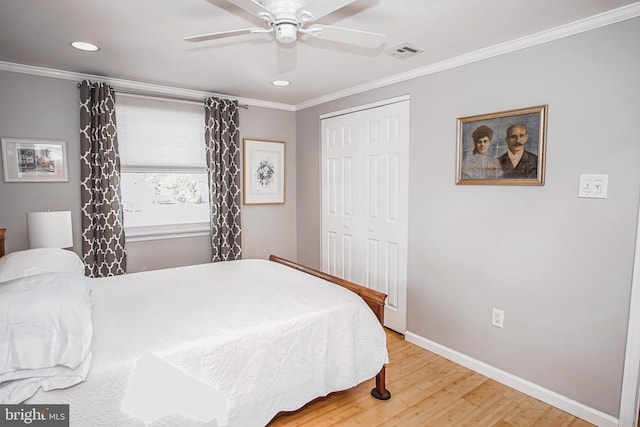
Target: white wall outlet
497,318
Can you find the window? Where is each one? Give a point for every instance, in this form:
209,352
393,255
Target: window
163,168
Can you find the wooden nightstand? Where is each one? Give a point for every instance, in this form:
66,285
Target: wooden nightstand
2,230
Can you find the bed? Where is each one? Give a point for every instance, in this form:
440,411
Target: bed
230,343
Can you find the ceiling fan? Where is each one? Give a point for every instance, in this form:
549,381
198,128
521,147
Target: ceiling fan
287,18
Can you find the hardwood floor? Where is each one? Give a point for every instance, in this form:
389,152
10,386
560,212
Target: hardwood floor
428,390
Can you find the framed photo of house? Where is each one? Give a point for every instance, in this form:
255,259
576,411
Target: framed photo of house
34,160
502,148
264,172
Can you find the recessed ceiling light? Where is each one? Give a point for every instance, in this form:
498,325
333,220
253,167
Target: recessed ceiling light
280,83
87,47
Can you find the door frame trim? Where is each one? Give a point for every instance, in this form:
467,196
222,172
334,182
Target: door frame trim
629,401
366,106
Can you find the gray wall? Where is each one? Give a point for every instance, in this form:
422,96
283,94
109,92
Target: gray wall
271,229
36,107
43,107
559,266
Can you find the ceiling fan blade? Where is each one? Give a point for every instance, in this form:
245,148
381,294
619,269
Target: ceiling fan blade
221,34
319,8
251,6
347,35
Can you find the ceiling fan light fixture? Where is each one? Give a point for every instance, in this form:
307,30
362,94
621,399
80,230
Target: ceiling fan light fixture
286,32
87,47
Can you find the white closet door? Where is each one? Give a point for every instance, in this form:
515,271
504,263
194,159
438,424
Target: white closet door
365,159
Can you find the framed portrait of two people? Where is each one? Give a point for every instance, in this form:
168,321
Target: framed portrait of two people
502,148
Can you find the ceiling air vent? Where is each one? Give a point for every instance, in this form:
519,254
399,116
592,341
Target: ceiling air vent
404,51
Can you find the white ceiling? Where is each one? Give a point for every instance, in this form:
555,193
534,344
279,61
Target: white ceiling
142,41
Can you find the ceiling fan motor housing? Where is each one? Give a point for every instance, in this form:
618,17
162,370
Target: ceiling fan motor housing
286,32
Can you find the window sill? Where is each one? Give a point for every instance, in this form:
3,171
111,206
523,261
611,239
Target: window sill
141,234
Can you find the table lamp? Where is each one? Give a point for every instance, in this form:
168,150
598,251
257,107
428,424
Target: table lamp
49,229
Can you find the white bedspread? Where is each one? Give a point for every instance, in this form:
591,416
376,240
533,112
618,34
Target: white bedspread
268,337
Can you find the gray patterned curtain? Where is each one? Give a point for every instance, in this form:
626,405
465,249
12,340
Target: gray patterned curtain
103,249
223,164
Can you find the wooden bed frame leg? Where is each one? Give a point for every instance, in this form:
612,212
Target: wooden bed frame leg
381,392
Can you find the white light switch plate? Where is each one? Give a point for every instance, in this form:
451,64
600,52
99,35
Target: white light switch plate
593,186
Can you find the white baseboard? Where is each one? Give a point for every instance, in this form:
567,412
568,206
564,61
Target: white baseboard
552,398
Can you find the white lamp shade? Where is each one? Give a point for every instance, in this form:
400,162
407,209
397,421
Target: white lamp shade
49,229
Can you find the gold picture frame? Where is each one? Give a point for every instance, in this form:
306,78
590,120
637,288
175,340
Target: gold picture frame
264,172
502,148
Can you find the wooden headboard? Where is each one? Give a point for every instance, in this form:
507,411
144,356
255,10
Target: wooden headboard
2,230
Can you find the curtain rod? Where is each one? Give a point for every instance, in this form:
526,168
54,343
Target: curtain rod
167,97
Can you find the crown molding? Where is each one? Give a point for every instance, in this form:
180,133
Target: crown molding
607,18
136,87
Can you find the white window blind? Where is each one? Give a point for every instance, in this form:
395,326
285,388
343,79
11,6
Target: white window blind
160,133
163,168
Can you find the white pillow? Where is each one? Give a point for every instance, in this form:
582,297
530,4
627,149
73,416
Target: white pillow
36,261
45,330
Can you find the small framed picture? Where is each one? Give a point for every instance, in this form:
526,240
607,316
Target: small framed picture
503,148
264,172
34,160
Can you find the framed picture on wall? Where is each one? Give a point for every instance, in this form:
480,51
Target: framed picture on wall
34,160
264,172
502,148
